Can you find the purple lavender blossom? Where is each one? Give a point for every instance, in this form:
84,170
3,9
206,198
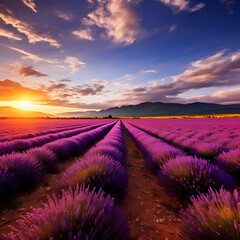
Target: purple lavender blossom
215,215
230,162
108,150
24,167
77,215
96,171
44,156
190,176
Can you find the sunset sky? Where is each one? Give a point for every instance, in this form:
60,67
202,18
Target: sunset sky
77,55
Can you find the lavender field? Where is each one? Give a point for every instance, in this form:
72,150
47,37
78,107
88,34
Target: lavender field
120,179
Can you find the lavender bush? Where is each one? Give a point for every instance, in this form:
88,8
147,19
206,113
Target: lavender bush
215,215
230,162
113,152
44,156
77,215
96,171
23,166
190,176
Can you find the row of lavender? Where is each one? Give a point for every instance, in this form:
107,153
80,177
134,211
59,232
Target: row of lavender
20,145
37,133
225,158
18,170
224,132
11,127
84,208
214,209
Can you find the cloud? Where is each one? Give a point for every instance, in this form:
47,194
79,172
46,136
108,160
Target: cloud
74,91
27,55
182,5
229,5
69,62
172,28
30,4
9,35
28,30
230,96
14,91
27,71
148,71
118,18
65,80
74,64
84,34
64,15
219,70
139,89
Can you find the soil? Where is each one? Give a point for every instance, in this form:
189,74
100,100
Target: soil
152,214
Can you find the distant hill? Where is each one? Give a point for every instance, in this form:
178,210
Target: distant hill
148,109
15,112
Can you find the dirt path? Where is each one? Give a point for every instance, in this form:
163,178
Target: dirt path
152,214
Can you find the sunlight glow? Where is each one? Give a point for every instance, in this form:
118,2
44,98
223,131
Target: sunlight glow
24,105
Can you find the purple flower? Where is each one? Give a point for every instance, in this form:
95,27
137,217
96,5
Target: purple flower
96,171
77,215
230,162
190,176
215,215
44,156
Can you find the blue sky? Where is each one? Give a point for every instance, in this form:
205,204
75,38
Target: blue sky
59,55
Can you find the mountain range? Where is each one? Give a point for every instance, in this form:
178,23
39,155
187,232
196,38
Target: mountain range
146,109
150,109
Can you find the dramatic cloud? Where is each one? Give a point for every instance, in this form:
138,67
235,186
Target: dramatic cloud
28,30
52,94
14,91
182,5
118,18
27,71
58,89
230,96
221,70
9,35
30,4
217,70
63,15
85,34
74,64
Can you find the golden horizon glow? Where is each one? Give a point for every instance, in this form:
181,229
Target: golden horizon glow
36,107
24,105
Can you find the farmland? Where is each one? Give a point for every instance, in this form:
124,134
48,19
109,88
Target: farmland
120,179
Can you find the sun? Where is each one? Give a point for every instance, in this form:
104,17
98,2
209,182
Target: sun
25,105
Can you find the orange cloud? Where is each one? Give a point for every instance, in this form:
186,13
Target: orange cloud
182,5
9,35
31,4
14,91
